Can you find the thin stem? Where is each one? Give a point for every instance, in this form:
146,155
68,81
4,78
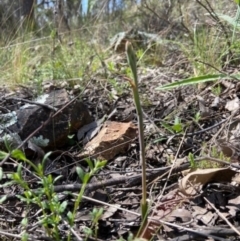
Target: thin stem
132,63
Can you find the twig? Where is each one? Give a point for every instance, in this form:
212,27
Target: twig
198,232
197,132
31,102
30,237
222,216
73,232
128,180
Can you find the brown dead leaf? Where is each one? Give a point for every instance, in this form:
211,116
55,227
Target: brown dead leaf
193,182
110,211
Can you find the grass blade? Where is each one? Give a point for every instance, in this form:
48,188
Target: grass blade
193,80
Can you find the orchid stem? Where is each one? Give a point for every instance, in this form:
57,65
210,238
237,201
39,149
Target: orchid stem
133,66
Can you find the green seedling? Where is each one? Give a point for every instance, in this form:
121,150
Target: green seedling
217,90
134,84
177,127
167,127
86,176
192,161
93,230
118,87
197,117
140,54
111,67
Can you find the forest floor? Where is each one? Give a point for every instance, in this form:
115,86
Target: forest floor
191,147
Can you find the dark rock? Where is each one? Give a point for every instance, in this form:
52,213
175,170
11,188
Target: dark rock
55,133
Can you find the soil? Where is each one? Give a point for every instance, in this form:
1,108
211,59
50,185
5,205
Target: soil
192,153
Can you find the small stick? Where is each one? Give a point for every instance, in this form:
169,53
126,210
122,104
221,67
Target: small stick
31,102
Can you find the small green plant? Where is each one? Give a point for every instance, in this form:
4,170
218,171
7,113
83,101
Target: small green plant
207,164
111,67
217,90
93,230
24,234
214,152
176,127
139,54
193,164
217,154
46,198
197,117
118,87
86,176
